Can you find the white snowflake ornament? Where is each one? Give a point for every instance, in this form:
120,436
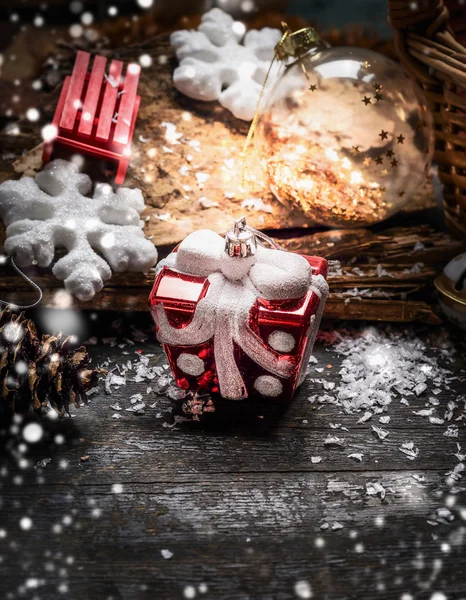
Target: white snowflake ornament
219,62
52,211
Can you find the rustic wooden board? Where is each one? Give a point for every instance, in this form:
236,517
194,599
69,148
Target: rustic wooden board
238,501
385,276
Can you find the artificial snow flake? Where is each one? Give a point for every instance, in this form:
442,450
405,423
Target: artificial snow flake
459,455
136,398
425,412
451,431
138,409
256,204
175,393
421,387
365,417
333,440
215,65
172,136
53,211
444,515
436,420
381,433
375,488
356,456
112,379
379,366
410,450
457,472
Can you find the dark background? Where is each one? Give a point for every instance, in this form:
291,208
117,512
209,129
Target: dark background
325,13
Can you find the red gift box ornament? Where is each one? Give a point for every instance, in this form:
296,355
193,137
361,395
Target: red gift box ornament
236,317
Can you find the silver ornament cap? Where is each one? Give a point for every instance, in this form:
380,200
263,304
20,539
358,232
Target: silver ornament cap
240,241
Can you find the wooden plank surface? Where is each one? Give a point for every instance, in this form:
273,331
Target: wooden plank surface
92,95
107,110
74,96
238,499
127,104
384,276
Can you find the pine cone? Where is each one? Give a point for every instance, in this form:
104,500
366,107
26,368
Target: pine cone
34,371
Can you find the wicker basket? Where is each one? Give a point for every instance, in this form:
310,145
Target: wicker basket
428,40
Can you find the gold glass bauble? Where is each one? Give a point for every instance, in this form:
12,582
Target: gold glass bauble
346,135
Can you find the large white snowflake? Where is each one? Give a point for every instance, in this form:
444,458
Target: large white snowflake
53,211
214,65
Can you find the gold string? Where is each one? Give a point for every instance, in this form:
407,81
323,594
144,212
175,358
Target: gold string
291,44
252,127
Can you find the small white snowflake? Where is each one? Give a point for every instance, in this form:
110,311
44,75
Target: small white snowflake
215,65
375,488
53,211
410,450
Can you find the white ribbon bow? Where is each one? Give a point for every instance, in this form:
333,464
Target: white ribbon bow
223,314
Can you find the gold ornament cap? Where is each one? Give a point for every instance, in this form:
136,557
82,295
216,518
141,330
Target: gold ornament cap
451,284
240,241
296,43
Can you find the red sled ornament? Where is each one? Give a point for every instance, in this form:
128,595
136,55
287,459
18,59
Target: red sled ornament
235,317
96,113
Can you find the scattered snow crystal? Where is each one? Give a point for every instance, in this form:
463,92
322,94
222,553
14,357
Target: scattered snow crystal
381,433
410,450
379,366
375,488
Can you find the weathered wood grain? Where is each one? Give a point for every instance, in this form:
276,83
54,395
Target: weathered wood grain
238,501
419,243
384,276
131,298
